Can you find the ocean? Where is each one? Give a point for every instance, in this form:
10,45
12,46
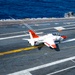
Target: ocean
18,9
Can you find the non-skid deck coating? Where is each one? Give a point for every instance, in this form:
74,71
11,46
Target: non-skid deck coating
13,55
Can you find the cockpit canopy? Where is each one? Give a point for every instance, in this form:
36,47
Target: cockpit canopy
56,34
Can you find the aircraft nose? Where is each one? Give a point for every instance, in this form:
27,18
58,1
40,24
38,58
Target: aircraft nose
64,37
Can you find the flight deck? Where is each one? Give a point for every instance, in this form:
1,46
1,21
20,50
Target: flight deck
18,57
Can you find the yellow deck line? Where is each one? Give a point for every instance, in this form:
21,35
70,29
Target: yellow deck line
18,50
25,49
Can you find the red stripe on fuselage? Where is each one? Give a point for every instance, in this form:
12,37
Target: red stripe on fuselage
47,44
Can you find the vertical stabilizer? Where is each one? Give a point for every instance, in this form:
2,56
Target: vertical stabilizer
33,34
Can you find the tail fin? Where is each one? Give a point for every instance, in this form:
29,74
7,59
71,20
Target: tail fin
33,34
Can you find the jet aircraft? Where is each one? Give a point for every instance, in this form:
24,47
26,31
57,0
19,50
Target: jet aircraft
50,40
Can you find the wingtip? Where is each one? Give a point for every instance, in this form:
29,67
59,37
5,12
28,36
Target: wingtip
64,37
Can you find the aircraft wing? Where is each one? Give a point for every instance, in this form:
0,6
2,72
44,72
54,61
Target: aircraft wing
49,42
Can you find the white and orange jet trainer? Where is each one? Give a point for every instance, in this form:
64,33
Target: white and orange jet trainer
49,40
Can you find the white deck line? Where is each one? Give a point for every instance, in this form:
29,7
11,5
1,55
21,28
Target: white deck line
40,29
61,70
44,65
11,37
22,73
69,40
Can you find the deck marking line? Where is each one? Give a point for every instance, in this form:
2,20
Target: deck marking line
61,70
18,50
10,37
38,29
46,65
69,40
25,49
59,28
22,73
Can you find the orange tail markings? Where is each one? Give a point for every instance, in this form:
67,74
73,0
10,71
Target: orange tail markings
33,34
